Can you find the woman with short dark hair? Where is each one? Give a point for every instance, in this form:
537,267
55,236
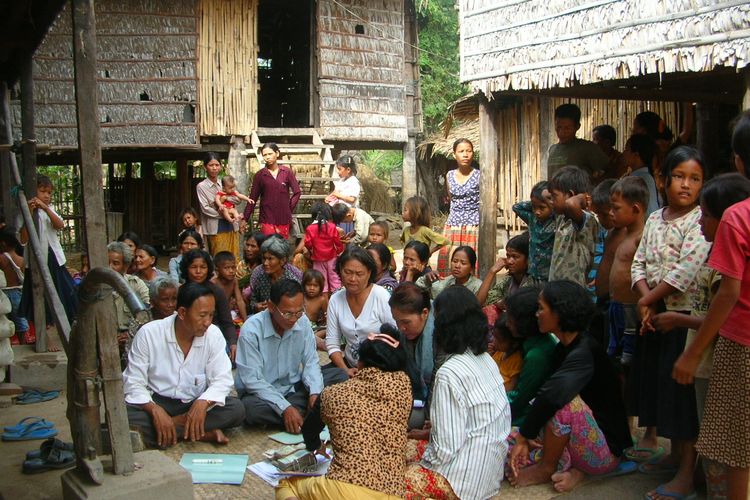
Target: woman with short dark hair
274,253
469,412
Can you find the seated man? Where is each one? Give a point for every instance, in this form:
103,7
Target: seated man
278,369
179,376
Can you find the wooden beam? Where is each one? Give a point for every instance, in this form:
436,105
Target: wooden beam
409,169
746,97
629,93
488,156
87,110
29,169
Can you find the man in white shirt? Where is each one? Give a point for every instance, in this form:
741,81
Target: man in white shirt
179,376
278,370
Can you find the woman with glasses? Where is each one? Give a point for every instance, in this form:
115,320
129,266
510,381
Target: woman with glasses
357,311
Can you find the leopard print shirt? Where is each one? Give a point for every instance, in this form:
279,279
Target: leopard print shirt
367,417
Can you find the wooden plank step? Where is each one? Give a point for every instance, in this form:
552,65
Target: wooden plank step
316,179
313,197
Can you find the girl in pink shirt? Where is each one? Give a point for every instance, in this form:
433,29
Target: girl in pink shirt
323,241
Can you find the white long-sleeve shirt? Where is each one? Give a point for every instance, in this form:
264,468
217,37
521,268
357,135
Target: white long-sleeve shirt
470,418
156,364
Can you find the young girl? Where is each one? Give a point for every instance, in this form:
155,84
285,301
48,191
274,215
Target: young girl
669,257
725,431
378,233
49,224
416,261
516,263
324,243
463,261
189,221
508,355
188,241
347,188
316,304
417,213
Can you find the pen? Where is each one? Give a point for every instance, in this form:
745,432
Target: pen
208,461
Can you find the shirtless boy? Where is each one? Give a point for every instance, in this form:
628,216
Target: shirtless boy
226,279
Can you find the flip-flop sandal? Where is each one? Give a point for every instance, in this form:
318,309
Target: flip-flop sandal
623,468
670,494
637,454
20,426
47,446
33,396
657,468
32,431
57,459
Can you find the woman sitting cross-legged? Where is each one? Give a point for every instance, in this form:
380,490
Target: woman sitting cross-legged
578,416
367,418
469,412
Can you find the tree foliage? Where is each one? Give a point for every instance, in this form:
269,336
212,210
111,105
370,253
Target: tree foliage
438,59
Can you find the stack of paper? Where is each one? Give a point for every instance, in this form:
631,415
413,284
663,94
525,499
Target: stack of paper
270,474
216,468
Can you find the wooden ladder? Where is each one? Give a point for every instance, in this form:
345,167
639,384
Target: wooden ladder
300,147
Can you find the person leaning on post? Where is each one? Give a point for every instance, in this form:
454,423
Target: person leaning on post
179,376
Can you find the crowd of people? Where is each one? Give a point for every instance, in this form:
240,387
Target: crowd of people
621,307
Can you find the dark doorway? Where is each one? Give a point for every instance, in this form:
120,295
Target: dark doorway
284,63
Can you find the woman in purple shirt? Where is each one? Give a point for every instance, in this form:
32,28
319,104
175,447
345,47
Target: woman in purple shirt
279,193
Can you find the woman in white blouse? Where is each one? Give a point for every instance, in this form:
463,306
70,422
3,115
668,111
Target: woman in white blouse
469,411
357,310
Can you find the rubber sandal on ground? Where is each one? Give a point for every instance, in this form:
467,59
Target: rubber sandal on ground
626,467
657,468
34,396
670,494
637,454
47,446
57,459
20,426
36,430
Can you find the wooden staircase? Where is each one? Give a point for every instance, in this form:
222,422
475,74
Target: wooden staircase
304,152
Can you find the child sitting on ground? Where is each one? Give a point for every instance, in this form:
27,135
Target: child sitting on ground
379,234
575,227
226,278
316,304
416,261
538,216
508,354
11,264
417,213
516,263
228,198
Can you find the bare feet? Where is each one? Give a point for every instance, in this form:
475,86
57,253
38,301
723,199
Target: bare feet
566,481
215,436
533,474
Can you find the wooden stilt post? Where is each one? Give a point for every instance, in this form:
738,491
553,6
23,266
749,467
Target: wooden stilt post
29,184
488,157
87,109
409,170
746,99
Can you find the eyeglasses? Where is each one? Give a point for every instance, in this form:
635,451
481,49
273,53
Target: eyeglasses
292,315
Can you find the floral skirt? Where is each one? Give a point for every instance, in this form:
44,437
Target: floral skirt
458,236
421,482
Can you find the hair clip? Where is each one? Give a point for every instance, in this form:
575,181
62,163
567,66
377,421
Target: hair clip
382,337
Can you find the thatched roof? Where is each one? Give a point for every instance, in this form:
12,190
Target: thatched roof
542,44
462,121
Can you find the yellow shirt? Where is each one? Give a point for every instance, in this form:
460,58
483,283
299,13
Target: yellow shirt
509,367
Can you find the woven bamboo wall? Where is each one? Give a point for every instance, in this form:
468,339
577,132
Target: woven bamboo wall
529,44
361,76
228,67
147,78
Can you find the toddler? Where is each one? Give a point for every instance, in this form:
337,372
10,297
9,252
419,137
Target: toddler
538,215
316,304
323,241
379,234
228,198
508,354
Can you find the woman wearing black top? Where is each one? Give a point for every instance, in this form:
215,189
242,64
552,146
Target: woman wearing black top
579,408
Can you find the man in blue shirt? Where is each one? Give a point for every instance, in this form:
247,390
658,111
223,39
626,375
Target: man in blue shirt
278,371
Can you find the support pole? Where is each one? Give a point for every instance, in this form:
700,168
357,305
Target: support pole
84,63
409,172
28,155
746,98
488,156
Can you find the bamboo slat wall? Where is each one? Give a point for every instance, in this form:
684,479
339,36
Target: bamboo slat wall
538,44
228,67
146,75
361,75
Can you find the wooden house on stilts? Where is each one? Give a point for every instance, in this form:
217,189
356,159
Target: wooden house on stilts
178,78
614,58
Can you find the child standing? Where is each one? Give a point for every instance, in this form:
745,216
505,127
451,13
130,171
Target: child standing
638,156
417,213
379,234
228,198
226,278
575,227
664,269
507,354
49,224
324,243
316,304
538,216
516,263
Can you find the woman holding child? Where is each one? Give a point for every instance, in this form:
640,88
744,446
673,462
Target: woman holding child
577,417
220,233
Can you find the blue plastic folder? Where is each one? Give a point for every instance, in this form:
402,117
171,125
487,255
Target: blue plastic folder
215,468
